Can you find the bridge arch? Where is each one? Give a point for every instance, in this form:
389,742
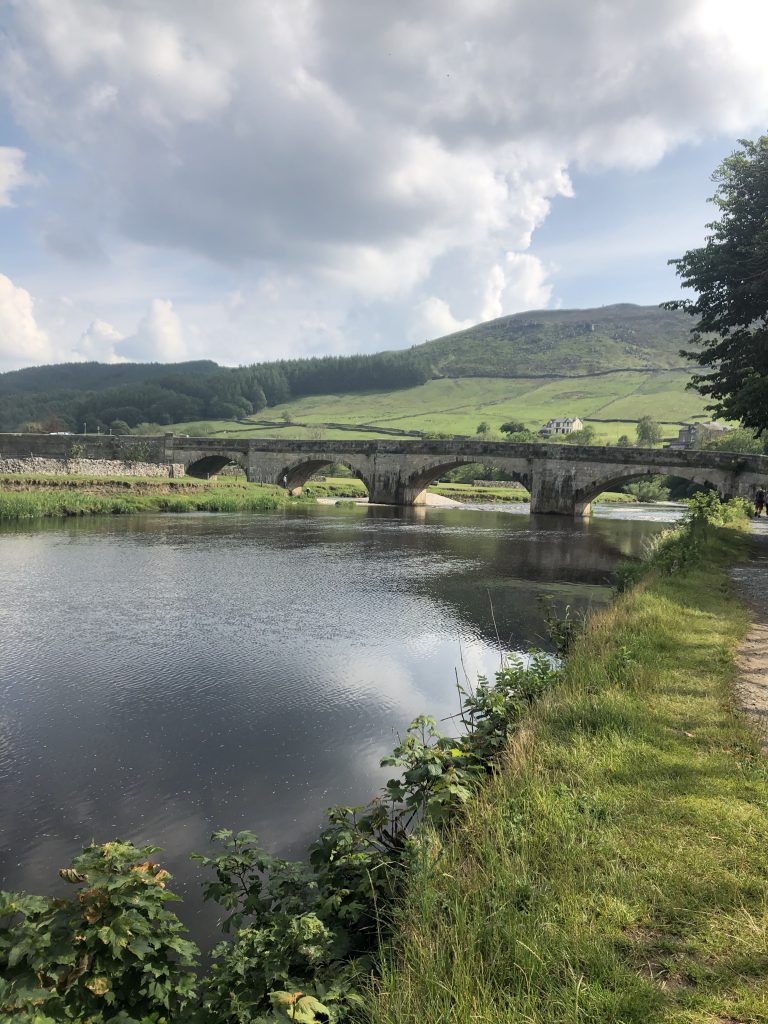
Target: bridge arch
207,467
295,474
418,482
708,479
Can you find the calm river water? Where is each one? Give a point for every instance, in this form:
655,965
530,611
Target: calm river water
162,676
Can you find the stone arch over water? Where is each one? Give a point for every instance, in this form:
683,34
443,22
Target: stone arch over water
418,482
208,466
695,475
295,475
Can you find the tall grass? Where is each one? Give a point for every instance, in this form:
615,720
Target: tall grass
15,505
616,869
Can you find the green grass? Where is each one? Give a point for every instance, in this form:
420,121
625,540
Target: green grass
46,501
72,481
457,406
615,871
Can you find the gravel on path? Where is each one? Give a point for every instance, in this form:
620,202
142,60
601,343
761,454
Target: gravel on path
751,583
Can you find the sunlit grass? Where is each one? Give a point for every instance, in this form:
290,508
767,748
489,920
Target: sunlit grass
616,870
100,496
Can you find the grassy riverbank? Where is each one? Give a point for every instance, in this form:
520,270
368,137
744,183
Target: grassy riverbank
40,497
616,869
351,487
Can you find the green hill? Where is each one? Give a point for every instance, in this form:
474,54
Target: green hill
608,365
567,342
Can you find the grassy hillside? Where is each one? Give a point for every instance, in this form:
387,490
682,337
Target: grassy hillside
564,341
457,406
615,363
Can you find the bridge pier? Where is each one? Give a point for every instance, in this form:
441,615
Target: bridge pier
555,491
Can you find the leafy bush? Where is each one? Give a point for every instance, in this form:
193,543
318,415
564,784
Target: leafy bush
114,953
681,548
648,490
301,935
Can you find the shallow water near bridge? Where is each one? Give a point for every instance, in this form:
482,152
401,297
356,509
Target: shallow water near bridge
163,676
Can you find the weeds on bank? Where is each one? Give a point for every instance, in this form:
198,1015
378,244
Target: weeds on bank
615,871
18,505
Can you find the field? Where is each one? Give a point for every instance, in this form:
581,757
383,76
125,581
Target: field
458,405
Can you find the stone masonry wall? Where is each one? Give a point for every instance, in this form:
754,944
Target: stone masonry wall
90,467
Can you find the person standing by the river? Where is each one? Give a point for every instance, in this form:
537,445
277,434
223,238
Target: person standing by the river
759,502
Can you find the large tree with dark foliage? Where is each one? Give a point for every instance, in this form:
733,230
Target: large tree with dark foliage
730,275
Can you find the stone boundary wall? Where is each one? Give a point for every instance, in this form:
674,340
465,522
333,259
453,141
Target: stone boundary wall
498,483
90,467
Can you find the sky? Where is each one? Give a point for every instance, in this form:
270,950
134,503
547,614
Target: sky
261,179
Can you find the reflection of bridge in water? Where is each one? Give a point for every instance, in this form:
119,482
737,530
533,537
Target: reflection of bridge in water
561,478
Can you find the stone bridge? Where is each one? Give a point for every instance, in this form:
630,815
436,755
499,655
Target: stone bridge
562,479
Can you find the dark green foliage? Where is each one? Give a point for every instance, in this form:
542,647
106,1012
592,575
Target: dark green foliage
563,630
681,548
650,490
730,276
623,442
302,935
648,432
513,427
740,440
492,710
113,953
475,471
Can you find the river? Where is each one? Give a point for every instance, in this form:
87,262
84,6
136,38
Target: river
163,676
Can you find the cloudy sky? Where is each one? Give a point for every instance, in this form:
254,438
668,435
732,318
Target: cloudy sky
251,179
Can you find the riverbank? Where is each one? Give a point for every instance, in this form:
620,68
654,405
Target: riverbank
471,494
34,497
615,870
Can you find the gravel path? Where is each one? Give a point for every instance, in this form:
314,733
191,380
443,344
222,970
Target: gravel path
751,582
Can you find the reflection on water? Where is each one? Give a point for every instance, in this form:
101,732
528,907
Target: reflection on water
161,676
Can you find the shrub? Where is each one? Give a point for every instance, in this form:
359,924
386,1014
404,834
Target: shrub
303,934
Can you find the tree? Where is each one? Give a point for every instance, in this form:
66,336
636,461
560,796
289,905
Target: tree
649,490
623,442
648,432
741,440
730,275
512,427
119,427
586,435
483,428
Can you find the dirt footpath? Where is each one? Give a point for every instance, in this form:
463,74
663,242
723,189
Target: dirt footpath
751,582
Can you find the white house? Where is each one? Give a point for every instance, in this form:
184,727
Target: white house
566,425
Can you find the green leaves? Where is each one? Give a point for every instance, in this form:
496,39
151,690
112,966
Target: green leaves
730,278
112,952
302,936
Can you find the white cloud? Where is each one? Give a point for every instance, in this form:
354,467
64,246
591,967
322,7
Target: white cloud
525,284
433,318
22,341
359,155
98,343
158,338
12,173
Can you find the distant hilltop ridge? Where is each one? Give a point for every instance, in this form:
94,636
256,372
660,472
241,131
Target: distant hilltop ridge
551,343
564,342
